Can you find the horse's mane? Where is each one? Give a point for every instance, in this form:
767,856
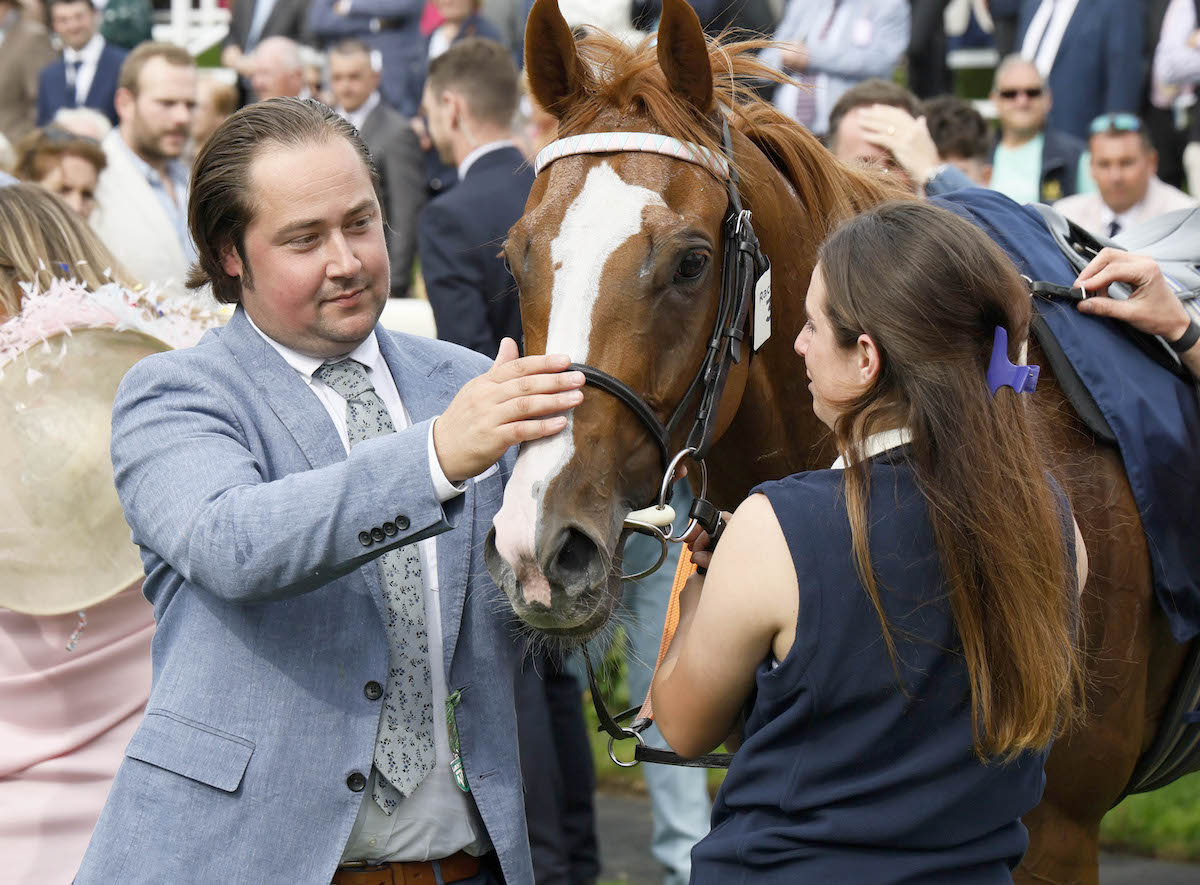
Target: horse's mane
623,78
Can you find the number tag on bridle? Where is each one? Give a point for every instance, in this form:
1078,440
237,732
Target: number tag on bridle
762,308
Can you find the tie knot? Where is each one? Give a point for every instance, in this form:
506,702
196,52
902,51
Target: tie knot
347,377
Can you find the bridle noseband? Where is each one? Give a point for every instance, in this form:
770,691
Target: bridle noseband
742,266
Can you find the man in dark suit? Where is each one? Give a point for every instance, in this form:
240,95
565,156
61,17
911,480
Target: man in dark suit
255,20
354,79
86,75
1089,50
469,101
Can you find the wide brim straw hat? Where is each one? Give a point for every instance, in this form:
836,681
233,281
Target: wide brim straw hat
64,542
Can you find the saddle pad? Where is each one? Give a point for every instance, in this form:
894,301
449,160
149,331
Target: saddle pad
1153,413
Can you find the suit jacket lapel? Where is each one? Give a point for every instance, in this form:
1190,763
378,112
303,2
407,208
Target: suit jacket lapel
426,388
292,401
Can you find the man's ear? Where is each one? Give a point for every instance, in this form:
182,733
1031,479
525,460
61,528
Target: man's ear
231,261
124,102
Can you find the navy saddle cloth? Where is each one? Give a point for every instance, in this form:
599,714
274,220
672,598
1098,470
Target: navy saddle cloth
1153,413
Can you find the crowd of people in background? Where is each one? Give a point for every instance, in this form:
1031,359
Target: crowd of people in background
1093,108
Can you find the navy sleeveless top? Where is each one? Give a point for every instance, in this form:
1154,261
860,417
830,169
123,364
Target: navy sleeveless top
842,778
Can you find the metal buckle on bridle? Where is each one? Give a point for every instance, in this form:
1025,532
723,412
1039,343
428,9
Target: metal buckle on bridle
656,520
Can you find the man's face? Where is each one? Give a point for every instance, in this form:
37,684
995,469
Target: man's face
316,250
1022,100
1122,167
351,79
74,23
850,145
456,10
438,113
157,122
272,78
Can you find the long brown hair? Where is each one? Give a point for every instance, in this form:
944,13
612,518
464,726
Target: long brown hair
930,289
42,239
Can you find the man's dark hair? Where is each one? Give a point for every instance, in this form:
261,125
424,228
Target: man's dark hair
131,68
351,46
869,92
957,129
50,4
220,206
484,73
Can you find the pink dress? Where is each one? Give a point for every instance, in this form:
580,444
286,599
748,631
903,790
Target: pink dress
65,718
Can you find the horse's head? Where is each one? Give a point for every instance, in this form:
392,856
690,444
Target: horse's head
619,260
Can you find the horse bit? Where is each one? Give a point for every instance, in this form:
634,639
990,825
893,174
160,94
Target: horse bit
743,265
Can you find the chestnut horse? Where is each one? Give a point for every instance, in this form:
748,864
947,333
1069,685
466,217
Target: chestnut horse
618,260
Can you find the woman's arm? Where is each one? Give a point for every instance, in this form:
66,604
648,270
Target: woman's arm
729,622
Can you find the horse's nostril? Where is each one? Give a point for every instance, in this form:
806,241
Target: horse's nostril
578,560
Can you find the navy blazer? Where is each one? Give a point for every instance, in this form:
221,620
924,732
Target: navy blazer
1099,66
53,93
459,235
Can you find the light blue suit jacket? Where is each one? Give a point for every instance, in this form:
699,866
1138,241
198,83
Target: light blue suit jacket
248,513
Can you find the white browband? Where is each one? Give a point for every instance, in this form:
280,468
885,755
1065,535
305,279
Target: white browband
645,142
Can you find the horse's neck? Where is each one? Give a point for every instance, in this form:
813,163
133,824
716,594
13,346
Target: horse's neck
775,432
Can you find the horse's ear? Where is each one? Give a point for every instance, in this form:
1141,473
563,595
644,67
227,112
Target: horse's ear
683,54
556,74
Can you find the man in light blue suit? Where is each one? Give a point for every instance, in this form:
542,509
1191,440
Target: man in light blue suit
334,672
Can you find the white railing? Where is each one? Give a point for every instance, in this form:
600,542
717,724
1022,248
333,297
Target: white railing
194,24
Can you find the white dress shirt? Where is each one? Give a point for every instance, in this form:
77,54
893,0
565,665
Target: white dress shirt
89,58
1045,33
358,117
438,819
469,160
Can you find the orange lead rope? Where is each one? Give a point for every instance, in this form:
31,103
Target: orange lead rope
684,570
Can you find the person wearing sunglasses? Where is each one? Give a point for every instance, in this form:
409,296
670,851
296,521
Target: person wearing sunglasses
1032,162
1123,164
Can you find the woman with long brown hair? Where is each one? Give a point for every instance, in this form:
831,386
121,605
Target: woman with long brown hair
902,626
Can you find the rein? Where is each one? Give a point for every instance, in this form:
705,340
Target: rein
744,268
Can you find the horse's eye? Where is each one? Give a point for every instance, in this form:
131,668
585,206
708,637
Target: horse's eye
692,265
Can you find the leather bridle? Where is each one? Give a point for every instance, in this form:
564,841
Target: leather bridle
743,265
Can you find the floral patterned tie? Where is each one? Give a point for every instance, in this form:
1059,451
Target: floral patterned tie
404,751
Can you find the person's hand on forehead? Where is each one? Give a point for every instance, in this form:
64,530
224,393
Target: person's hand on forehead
906,138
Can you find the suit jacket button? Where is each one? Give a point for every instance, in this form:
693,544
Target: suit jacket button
373,690
389,529
377,533
356,782
402,523
364,538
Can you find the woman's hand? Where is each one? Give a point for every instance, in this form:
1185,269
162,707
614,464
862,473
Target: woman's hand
699,542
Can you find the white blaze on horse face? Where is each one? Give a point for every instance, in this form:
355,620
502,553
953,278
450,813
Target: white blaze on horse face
605,214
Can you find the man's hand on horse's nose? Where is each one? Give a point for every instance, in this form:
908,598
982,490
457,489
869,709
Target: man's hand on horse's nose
519,399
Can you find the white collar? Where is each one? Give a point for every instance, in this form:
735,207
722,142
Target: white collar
878,443
356,118
1127,218
469,159
89,54
366,353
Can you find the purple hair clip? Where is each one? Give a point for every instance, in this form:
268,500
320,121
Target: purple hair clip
1002,373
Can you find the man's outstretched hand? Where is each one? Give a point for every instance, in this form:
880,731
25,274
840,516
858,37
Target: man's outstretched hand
519,399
